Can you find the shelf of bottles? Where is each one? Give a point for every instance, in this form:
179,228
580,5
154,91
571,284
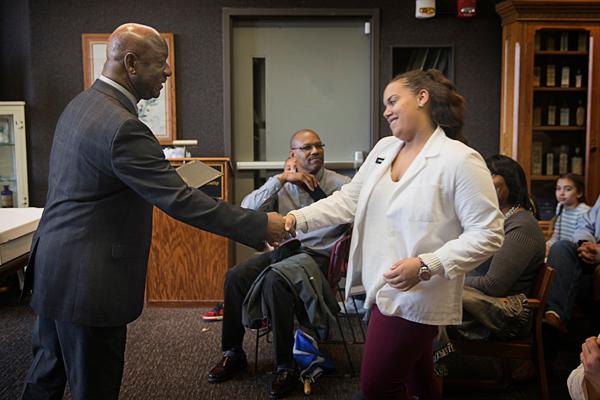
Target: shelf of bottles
8,175
560,86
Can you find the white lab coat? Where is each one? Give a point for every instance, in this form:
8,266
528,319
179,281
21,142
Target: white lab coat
444,209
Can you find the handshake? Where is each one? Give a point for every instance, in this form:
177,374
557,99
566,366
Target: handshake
280,228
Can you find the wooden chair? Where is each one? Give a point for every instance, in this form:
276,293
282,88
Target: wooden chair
547,228
530,348
336,269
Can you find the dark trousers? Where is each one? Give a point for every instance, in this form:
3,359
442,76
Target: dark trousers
281,302
398,359
90,358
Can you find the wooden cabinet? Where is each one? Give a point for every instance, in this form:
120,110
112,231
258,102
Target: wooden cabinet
551,93
187,266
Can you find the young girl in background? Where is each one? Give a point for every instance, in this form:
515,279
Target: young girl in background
571,204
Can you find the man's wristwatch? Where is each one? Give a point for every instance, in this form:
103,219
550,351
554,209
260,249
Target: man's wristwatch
424,273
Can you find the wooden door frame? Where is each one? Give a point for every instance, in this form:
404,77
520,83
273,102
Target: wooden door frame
231,14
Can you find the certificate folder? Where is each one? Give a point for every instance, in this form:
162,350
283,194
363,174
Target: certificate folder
197,174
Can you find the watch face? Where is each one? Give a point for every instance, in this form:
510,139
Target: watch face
424,274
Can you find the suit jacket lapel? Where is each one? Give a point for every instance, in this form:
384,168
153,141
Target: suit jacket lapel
108,90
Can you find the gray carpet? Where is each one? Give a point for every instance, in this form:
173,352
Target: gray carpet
169,352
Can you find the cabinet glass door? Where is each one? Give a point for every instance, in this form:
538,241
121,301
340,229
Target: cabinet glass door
559,115
8,155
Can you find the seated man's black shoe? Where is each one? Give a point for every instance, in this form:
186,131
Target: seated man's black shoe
283,383
226,368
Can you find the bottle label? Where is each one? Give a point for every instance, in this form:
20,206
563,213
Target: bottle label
6,200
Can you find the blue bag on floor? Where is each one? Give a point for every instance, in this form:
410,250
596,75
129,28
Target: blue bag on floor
311,362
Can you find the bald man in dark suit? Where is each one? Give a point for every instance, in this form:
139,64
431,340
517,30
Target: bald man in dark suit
89,255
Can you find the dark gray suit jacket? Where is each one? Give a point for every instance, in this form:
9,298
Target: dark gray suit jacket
89,255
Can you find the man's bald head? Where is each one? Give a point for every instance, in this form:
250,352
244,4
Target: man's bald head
136,58
302,132
131,37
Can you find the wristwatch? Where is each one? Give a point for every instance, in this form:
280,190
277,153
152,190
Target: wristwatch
424,273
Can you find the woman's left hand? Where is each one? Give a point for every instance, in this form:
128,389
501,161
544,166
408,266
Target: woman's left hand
404,274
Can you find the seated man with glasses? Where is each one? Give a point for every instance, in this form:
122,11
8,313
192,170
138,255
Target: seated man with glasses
271,295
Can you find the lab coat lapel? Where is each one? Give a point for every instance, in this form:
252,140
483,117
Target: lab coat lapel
431,149
378,169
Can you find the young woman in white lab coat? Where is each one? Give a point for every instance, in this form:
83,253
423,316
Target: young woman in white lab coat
425,212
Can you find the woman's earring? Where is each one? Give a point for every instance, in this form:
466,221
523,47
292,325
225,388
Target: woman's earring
420,105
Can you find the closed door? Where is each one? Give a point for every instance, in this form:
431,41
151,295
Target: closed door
291,73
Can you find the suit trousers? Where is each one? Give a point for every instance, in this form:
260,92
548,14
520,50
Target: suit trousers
280,300
90,358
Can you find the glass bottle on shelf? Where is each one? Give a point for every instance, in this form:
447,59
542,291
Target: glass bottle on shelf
551,117
549,163
563,160
4,133
578,78
577,163
582,42
537,73
536,158
6,197
564,76
580,114
550,75
565,116
537,116
564,41
550,41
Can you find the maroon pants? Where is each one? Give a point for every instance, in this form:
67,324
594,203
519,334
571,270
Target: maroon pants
398,359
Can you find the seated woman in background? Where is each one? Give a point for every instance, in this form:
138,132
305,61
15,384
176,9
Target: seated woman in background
509,273
512,270
571,204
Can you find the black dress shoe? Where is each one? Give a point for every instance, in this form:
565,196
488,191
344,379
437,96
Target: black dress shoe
283,383
227,367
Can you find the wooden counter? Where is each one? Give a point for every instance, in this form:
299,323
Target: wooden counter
187,266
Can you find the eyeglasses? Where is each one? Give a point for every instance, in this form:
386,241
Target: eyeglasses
308,147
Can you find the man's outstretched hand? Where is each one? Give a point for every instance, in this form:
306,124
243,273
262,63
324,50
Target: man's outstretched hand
279,229
276,232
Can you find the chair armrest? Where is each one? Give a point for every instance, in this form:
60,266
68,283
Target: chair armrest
534,303
531,303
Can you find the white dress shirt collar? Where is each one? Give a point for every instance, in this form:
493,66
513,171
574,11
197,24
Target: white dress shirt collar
120,88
